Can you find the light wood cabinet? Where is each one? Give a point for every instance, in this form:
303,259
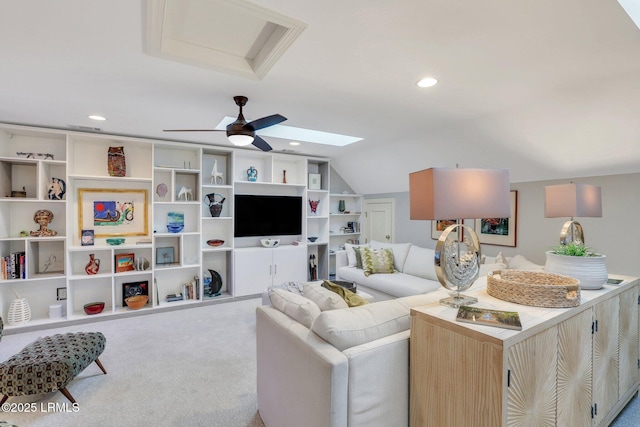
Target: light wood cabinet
576,366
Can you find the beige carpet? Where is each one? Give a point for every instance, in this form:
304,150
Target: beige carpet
194,367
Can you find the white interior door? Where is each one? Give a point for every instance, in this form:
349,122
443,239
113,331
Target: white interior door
379,222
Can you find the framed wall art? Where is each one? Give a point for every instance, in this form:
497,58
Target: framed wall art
315,181
113,212
124,262
164,255
439,225
134,288
499,231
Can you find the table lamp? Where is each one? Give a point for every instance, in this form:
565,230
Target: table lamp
572,200
448,193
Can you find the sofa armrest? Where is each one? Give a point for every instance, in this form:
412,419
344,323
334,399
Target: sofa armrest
379,382
301,379
341,261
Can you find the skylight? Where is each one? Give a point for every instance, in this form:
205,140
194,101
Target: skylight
298,134
632,7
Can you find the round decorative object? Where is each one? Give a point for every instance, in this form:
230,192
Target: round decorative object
141,263
571,232
215,206
312,239
252,174
270,243
175,228
215,242
19,311
136,302
93,265
457,264
591,271
216,283
534,288
162,190
115,241
56,189
93,307
175,222
43,217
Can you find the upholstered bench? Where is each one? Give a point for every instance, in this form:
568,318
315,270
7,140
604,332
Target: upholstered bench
50,363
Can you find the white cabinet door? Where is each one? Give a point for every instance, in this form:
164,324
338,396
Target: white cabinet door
290,264
252,270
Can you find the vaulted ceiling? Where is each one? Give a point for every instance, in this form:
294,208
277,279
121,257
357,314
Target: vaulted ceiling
548,89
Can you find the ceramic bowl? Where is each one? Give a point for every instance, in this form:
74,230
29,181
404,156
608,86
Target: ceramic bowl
115,241
215,242
270,243
94,307
136,302
312,239
175,228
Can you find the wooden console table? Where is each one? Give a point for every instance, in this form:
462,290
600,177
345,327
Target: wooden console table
571,366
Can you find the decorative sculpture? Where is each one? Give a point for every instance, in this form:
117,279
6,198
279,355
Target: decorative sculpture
43,217
215,174
314,206
57,188
186,192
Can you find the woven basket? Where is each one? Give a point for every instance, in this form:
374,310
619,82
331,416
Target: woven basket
534,288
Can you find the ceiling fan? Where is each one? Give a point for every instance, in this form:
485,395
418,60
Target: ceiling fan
240,132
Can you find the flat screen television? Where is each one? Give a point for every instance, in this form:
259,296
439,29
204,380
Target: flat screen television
258,215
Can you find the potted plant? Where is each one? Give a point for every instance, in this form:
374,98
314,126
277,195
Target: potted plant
579,261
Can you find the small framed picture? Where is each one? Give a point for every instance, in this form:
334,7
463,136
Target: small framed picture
315,181
164,255
61,294
124,262
87,238
439,225
134,288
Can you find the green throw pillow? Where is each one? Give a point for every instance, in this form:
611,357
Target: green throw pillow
376,261
352,299
356,249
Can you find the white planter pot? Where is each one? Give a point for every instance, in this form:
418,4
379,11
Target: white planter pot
590,270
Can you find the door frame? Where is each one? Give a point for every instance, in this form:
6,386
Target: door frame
365,205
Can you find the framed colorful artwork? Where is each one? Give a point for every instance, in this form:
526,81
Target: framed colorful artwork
439,225
113,212
134,288
499,231
124,262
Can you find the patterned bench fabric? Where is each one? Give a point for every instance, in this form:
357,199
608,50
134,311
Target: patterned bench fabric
50,363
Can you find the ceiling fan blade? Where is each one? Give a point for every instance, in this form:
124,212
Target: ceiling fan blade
261,144
193,130
265,122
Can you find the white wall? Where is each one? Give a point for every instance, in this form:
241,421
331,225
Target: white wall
616,234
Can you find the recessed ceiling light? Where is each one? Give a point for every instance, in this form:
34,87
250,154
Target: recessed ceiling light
294,143
96,117
427,82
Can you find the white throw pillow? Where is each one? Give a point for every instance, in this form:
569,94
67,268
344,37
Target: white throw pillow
487,268
299,308
519,262
400,252
324,298
501,259
419,263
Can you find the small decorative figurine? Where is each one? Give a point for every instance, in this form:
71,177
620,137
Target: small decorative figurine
284,176
43,217
314,206
57,188
186,192
116,161
252,174
215,174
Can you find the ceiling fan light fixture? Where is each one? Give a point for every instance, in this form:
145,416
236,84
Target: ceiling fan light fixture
240,140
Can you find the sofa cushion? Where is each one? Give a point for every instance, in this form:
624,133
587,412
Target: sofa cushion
324,298
420,263
353,252
399,250
377,261
519,262
348,328
299,308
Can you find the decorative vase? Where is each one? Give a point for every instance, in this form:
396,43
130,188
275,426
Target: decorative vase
284,176
175,222
215,206
590,270
216,283
313,204
19,310
252,174
341,206
93,265
116,162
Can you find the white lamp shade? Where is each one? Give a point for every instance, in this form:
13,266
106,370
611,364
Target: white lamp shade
448,193
240,140
572,200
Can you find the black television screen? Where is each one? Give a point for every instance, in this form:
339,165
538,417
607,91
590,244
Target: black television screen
257,215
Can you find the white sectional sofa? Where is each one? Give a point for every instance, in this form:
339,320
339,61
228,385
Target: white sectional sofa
415,272
344,367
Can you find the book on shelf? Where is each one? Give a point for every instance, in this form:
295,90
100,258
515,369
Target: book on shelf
489,317
13,266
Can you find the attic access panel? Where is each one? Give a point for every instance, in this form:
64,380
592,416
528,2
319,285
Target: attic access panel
226,35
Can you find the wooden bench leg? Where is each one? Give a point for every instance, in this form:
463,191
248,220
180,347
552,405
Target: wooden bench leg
4,399
66,393
100,365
